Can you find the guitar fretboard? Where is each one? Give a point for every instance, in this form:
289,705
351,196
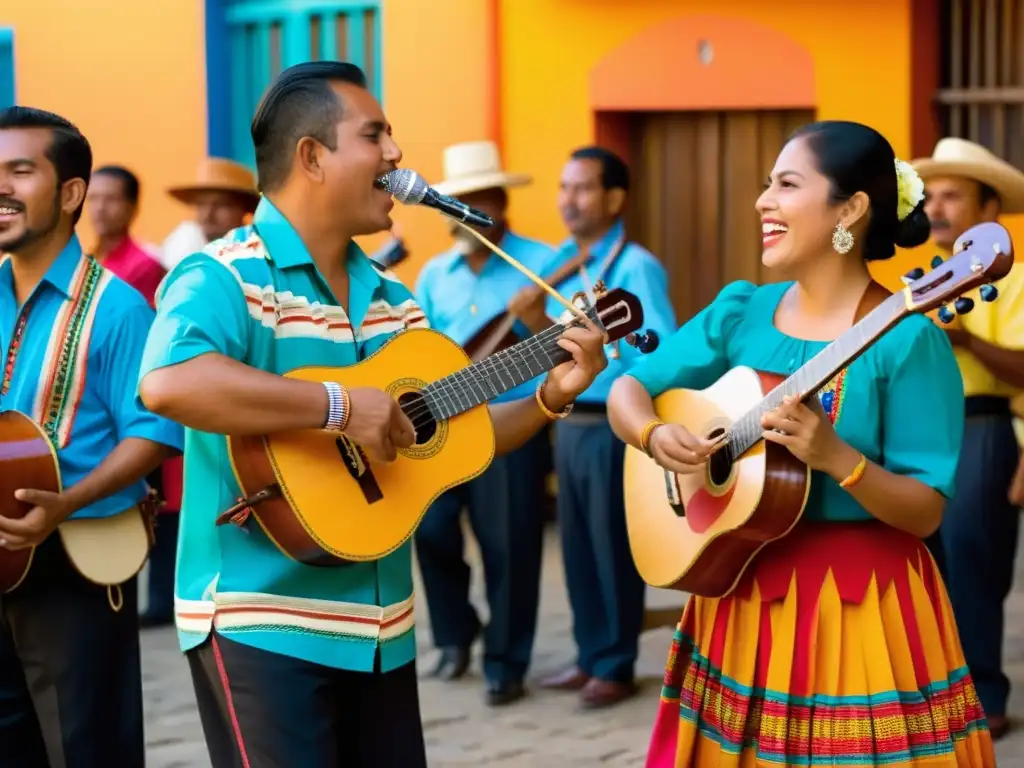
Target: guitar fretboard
817,371
493,376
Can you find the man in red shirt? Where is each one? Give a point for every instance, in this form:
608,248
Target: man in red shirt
113,203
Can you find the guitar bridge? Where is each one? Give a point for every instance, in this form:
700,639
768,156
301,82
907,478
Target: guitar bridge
243,508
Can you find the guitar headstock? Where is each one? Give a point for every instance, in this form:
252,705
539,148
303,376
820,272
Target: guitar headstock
618,312
981,255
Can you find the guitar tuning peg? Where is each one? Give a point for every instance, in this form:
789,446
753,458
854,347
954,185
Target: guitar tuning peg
988,293
915,274
963,305
936,262
946,314
646,342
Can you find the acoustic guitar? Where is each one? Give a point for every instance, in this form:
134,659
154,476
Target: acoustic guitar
698,533
322,501
107,551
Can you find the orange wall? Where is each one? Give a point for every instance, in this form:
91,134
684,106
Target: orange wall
138,95
436,92
549,47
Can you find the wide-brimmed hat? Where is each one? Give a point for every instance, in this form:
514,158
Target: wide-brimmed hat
959,157
476,165
220,175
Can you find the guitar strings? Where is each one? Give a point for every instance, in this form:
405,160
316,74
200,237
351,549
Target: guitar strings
449,388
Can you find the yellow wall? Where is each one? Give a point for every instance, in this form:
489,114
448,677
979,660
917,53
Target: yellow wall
436,90
131,75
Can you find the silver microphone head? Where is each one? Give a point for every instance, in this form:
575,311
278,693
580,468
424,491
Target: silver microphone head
405,186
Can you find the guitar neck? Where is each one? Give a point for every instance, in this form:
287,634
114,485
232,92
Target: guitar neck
819,370
495,375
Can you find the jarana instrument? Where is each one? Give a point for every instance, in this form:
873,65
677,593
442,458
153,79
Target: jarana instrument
699,532
322,501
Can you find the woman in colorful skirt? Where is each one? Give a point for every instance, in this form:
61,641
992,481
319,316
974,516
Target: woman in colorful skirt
838,645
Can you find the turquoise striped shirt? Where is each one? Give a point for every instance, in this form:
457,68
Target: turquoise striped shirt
256,296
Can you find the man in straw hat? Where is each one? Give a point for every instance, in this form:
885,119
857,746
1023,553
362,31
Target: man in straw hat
461,291
223,193
975,546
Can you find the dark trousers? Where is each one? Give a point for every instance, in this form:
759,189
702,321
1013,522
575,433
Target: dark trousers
605,590
160,593
506,513
975,548
265,710
69,663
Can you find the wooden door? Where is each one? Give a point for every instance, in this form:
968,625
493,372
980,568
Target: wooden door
698,175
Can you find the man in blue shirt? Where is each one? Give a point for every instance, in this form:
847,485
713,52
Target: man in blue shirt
72,336
461,291
605,590
296,665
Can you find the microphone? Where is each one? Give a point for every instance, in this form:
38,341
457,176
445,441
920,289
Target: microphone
409,187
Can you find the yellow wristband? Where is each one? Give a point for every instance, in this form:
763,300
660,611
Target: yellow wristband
547,411
645,435
858,472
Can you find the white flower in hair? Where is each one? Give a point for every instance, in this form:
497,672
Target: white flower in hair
909,189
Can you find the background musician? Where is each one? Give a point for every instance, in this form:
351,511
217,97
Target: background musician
73,335
461,291
605,590
296,665
847,607
977,543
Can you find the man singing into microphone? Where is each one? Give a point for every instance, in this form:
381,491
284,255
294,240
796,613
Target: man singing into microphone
294,665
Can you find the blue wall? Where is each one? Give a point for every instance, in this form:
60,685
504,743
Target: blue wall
248,42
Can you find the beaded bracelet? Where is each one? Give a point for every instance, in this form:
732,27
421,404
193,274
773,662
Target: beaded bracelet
337,406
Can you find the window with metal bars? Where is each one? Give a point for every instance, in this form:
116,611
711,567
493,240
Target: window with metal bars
6,67
981,96
249,42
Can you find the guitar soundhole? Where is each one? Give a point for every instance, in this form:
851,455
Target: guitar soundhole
720,463
419,414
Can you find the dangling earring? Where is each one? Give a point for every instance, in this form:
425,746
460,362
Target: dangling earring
842,239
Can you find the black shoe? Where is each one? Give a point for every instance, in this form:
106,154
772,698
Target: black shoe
452,664
501,694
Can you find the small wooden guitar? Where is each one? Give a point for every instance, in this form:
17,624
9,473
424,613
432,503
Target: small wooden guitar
106,551
698,533
323,502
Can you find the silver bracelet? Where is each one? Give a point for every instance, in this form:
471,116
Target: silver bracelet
335,408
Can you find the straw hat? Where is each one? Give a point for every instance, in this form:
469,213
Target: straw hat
219,175
958,157
475,165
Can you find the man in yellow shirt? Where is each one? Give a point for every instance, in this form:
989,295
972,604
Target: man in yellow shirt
975,546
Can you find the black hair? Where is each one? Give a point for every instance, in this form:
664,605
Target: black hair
614,171
69,150
856,158
129,181
986,193
299,103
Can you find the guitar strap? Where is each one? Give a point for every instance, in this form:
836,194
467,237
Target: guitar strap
874,295
63,374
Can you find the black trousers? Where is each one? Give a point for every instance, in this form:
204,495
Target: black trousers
70,680
265,710
975,549
605,590
506,512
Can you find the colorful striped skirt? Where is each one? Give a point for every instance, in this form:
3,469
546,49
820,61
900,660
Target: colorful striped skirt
838,647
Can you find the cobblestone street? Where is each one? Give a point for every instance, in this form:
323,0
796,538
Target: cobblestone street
546,729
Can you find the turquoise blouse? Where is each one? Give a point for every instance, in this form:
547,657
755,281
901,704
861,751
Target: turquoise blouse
900,403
